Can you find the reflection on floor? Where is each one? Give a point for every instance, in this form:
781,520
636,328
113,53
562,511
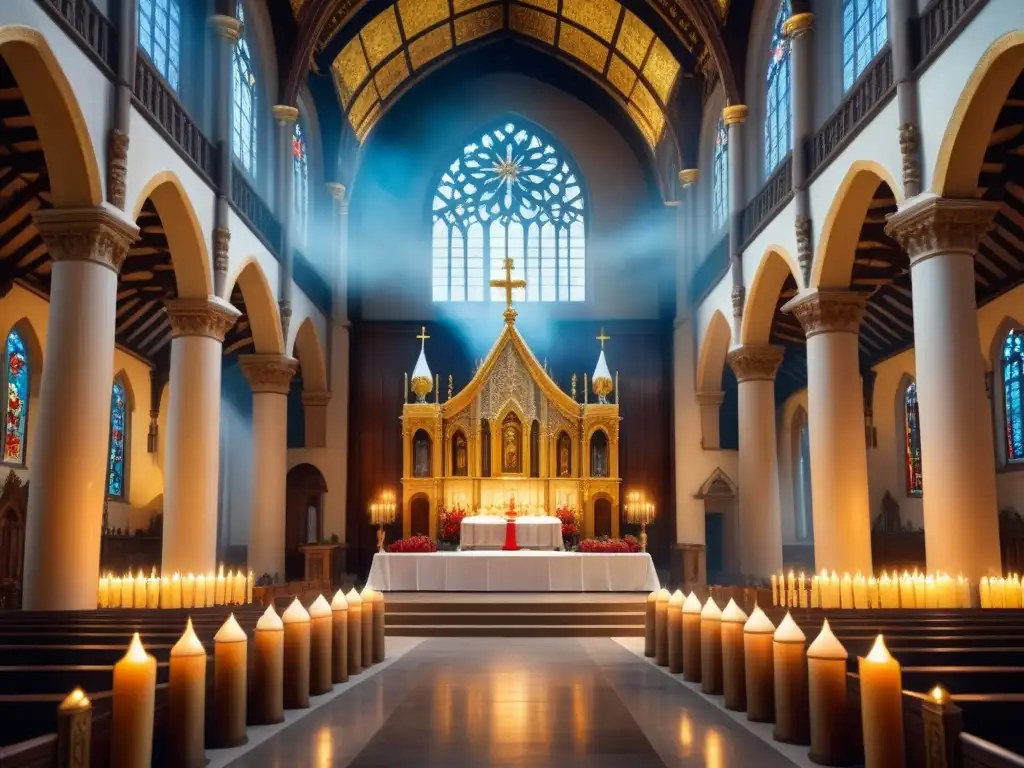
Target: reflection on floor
487,701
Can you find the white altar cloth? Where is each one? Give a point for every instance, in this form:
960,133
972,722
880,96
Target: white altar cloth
488,532
526,571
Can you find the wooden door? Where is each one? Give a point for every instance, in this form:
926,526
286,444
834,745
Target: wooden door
419,516
602,517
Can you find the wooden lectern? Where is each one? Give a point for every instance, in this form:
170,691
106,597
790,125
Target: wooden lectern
319,561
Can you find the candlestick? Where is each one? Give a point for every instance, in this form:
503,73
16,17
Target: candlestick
186,702
296,656
321,620
131,740
266,695
339,643
759,665
734,684
379,650
826,680
792,720
355,632
711,648
649,619
661,628
881,708
674,632
230,649
691,638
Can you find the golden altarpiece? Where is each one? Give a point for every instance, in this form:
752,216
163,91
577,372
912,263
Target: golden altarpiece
511,433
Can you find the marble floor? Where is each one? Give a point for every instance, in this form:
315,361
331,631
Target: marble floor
460,702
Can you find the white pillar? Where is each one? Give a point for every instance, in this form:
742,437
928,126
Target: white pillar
336,408
191,465
961,523
270,377
760,519
835,422
690,523
69,455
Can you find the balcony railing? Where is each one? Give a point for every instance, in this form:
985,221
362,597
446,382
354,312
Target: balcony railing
775,193
939,22
92,29
251,207
867,96
158,100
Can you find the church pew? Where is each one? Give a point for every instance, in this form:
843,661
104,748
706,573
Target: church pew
27,655
957,680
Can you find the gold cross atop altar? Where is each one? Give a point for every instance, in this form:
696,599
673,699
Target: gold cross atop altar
509,285
602,337
422,336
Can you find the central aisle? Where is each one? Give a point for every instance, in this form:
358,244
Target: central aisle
540,703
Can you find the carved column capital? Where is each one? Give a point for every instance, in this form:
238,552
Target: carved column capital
212,317
710,398
755,362
909,141
221,246
101,235
827,311
269,373
117,167
284,113
688,177
932,226
735,114
798,24
227,27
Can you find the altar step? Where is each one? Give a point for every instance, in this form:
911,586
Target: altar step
514,615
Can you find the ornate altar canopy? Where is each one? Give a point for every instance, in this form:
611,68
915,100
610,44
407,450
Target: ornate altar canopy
510,432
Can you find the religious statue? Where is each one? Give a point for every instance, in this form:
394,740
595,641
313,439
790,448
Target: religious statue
460,462
510,451
312,534
564,469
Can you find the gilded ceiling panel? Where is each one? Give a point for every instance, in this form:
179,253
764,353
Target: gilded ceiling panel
634,39
533,23
368,123
547,5
362,104
417,15
641,123
390,75
428,47
621,75
582,46
644,100
465,5
599,16
478,23
351,68
380,36
661,69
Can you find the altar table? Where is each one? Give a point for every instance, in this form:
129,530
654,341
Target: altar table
488,532
525,571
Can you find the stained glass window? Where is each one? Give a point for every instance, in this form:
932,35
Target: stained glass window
1013,374
300,177
912,432
802,489
17,399
778,116
865,31
118,440
243,118
720,180
510,193
160,36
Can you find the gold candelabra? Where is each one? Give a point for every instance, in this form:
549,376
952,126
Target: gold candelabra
639,511
382,512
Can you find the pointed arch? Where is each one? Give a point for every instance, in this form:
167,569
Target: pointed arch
260,306
17,377
775,266
908,431
309,350
34,348
713,350
185,238
75,180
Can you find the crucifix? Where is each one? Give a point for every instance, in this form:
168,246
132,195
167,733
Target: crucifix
509,285
602,337
422,336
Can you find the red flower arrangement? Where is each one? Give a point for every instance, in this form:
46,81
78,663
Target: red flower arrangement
413,545
570,523
606,546
449,524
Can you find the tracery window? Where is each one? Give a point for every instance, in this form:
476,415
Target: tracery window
118,440
865,31
17,399
243,88
300,181
720,180
1013,374
778,116
912,434
160,36
511,193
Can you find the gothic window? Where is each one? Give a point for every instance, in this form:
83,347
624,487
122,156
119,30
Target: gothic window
17,399
778,117
243,118
865,31
421,454
160,36
512,193
802,480
912,440
300,182
599,454
118,441
720,180
1013,374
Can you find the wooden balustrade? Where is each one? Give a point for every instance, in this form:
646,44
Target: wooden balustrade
775,193
939,23
257,213
87,26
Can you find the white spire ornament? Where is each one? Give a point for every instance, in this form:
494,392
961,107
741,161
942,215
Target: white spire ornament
602,379
422,378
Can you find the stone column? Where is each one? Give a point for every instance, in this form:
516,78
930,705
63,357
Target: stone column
901,16
760,519
192,465
961,523
117,147
734,117
285,118
336,437
835,423
270,377
69,455
227,31
710,404
797,28
686,240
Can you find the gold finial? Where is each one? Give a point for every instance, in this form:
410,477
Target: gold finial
509,285
585,393
603,338
422,336
451,384
573,386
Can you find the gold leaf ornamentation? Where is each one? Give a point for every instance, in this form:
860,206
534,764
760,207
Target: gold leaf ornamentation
597,16
634,39
390,75
661,69
621,76
533,23
380,36
418,15
478,24
428,47
582,46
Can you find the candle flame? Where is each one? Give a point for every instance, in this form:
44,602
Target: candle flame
938,694
76,700
136,653
879,653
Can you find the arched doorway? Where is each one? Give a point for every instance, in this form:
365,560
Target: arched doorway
419,516
304,515
602,517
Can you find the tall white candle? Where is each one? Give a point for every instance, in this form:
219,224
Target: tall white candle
131,734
